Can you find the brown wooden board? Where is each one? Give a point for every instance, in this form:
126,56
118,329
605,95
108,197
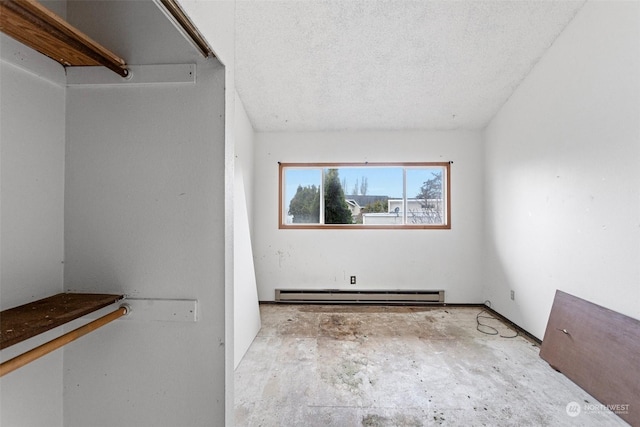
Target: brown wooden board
599,350
20,323
34,25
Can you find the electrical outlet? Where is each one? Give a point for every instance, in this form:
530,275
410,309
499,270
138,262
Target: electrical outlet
353,280
513,295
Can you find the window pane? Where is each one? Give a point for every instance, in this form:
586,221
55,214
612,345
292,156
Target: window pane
426,196
302,196
410,195
367,192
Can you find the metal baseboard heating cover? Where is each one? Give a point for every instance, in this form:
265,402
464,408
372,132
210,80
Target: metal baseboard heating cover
341,296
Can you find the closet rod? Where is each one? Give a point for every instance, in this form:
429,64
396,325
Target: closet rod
46,348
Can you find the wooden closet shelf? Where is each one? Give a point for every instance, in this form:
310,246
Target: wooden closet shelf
20,323
34,25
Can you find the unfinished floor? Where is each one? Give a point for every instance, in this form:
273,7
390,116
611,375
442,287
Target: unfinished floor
317,365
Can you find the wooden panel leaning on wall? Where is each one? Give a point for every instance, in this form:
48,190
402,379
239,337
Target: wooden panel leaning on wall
599,350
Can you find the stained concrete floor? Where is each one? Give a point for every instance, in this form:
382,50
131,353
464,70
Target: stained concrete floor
314,365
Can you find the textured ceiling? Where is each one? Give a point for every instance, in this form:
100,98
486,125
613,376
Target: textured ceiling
387,64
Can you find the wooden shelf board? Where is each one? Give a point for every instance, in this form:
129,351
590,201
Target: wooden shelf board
20,323
34,25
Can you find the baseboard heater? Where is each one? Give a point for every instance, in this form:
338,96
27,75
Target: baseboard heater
341,296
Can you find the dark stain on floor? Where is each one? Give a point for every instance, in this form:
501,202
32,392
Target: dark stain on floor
341,327
374,420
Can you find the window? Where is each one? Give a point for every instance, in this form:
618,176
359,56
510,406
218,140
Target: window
371,195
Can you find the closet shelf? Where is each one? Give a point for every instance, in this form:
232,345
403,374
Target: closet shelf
20,323
39,28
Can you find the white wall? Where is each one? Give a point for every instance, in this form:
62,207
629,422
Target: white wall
216,20
145,216
381,259
247,313
244,154
246,310
563,177
32,136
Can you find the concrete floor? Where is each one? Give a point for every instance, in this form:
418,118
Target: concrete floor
313,365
